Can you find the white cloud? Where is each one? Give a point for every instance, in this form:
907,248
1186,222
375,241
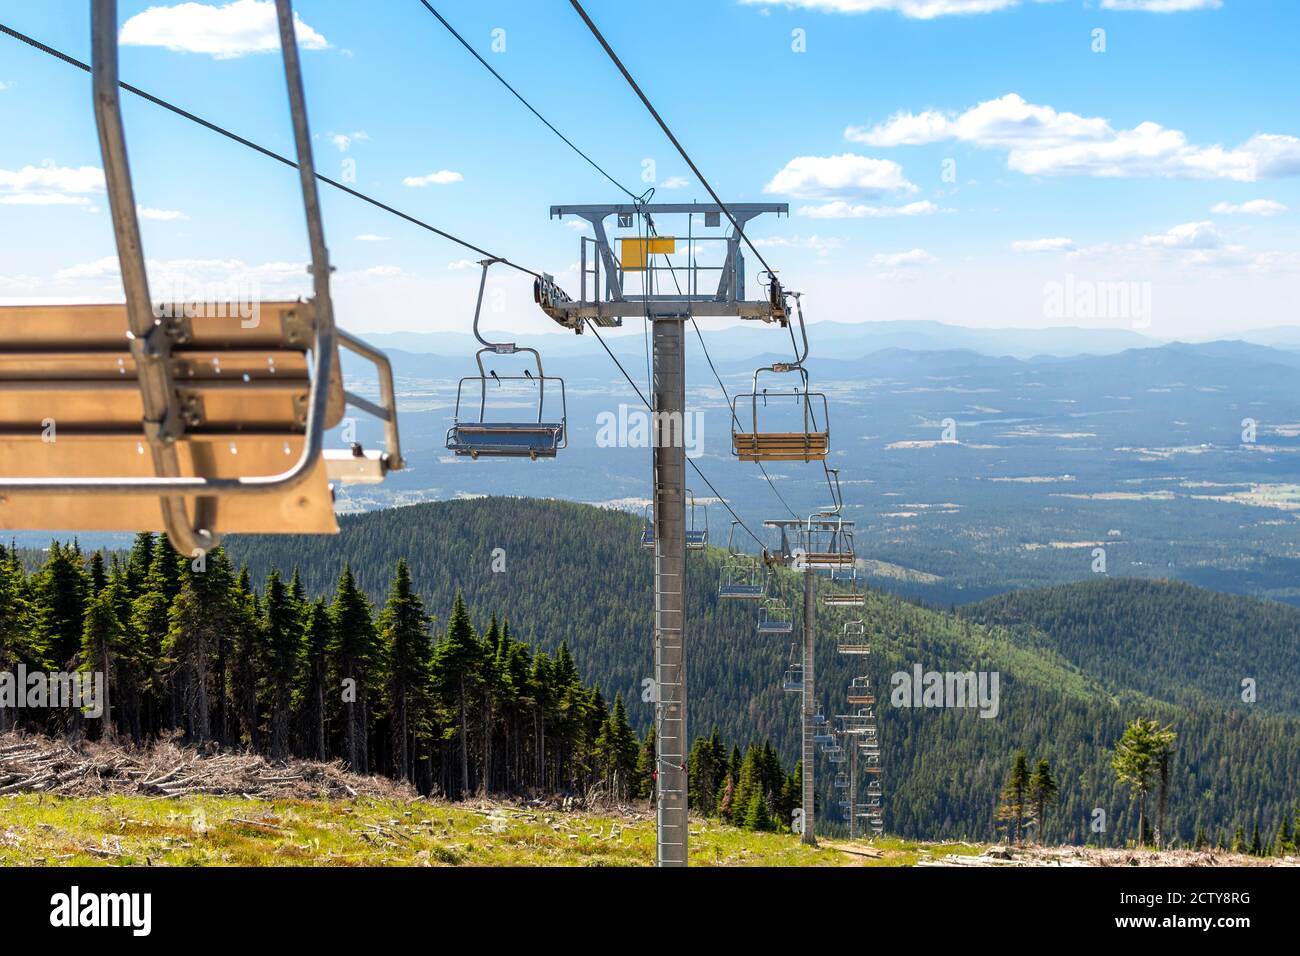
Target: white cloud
442,177
822,245
5,86
50,185
839,209
675,182
370,237
459,265
1059,244
1254,207
232,30
915,9
1275,155
1161,6
577,225
930,9
1190,235
160,215
1044,142
913,257
19,283
343,141
826,177
1006,121
189,274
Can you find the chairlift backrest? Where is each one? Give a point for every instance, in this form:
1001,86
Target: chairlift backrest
476,435
191,420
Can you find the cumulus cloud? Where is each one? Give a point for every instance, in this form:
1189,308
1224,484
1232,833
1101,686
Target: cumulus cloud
343,141
1006,121
442,177
1161,6
829,177
1190,235
915,9
266,278
1043,141
50,185
913,257
160,215
370,237
224,32
675,182
822,245
1058,244
839,209
1254,207
931,9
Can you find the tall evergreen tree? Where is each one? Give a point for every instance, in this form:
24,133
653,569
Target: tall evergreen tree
1015,797
404,630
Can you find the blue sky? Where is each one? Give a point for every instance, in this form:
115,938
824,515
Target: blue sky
943,159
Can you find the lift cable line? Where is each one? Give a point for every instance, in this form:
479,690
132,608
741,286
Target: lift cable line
704,478
637,200
595,31
256,147
519,96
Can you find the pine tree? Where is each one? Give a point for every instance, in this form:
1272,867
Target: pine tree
1043,793
645,767
756,814
354,652
1015,795
281,629
186,651
312,678
404,633
1282,844
616,748
1135,763
456,663
101,637
60,607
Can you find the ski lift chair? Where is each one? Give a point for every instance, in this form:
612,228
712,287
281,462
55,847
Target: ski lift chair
828,543
775,617
853,639
844,598
792,682
197,419
860,691
478,436
809,443
742,578
697,535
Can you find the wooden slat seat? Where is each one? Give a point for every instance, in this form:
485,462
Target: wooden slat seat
781,446
70,407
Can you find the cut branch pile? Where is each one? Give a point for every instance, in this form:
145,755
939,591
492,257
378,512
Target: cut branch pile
30,764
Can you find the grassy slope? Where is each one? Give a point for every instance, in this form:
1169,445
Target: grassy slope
217,831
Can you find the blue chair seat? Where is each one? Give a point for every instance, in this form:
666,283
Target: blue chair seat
506,439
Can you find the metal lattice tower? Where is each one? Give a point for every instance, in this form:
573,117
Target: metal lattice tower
607,303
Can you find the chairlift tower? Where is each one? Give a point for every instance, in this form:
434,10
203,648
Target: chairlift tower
693,294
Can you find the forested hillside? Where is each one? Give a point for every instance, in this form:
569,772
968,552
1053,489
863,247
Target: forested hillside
1165,639
565,573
